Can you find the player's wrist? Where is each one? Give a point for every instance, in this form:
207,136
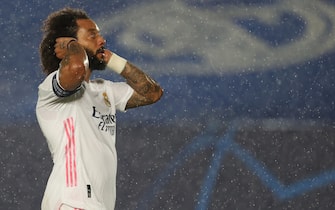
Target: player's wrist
116,63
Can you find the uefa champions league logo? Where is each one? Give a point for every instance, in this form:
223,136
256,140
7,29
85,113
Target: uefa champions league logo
181,38
205,39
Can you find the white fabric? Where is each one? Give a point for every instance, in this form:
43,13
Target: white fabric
116,63
80,131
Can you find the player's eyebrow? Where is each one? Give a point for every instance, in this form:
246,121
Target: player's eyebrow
93,30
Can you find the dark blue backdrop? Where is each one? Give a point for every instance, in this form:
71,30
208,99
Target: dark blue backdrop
246,121
258,59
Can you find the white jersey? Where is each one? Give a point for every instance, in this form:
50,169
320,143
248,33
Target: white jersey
80,130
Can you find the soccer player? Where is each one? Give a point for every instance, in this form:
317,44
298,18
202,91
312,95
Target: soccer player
77,115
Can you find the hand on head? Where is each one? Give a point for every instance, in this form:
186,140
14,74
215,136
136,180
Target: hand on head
61,46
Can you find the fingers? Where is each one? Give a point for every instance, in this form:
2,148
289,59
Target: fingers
103,55
62,42
107,55
61,46
60,50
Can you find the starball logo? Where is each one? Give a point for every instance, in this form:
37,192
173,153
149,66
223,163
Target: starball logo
106,123
216,37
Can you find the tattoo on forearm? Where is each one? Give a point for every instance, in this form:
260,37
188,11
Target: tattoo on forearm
73,49
138,80
148,90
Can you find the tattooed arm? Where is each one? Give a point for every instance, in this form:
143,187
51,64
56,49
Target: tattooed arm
74,64
146,90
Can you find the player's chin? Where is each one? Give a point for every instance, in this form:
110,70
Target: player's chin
100,66
97,64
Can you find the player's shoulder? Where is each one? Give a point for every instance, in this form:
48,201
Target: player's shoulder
98,81
46,83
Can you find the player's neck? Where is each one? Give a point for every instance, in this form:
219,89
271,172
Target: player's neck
88,75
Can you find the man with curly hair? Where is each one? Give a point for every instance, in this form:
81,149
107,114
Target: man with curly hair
77,115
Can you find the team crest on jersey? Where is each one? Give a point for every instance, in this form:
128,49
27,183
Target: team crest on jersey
107,102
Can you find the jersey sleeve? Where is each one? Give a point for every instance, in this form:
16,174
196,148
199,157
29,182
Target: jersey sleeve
50,88
45,90
121,93
58,89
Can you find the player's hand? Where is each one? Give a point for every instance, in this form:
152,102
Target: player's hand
105,56
61,46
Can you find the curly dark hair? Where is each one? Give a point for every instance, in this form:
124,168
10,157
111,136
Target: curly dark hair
62,23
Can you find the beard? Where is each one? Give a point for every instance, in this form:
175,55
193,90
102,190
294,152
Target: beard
94,62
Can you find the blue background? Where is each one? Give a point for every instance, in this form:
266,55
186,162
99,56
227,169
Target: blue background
221,63
300,90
